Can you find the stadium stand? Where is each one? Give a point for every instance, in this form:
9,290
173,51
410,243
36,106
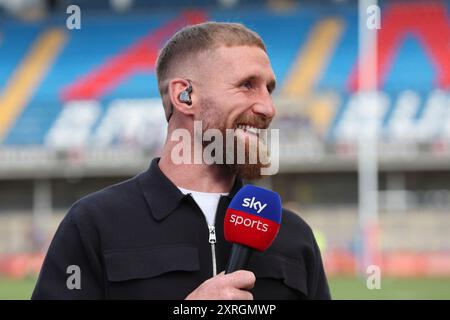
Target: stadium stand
312,53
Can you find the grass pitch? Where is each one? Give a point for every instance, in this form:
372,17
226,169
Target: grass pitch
342,288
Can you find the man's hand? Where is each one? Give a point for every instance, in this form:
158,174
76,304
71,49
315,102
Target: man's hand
232,286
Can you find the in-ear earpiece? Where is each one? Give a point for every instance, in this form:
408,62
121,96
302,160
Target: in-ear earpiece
185,95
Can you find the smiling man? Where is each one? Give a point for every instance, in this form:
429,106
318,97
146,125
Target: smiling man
160,234
230,80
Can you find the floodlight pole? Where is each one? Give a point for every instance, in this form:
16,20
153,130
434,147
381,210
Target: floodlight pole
367,139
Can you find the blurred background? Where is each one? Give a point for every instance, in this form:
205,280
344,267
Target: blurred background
80,110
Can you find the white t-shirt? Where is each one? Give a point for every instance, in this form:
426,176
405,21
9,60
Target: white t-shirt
207,201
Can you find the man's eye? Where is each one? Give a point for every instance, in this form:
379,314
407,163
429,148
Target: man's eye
248,84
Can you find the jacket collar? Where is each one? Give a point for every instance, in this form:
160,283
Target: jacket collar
162,195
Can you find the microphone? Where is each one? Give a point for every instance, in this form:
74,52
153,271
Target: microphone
251,223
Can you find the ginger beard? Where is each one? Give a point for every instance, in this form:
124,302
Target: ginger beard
213,118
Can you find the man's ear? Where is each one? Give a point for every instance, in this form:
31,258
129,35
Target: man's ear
181,95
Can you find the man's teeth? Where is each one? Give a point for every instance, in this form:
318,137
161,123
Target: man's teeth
248,128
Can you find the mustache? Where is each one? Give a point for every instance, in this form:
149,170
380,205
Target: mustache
254,121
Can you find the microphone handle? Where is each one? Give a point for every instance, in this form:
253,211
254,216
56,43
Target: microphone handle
239,257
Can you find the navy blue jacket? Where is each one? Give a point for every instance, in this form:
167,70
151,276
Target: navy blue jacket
144,239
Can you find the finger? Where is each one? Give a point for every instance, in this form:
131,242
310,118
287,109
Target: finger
243,295
250,286
242,279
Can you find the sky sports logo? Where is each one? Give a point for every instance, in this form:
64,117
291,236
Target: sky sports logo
251,203
249,222
253,217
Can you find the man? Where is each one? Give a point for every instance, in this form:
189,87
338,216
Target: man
160,235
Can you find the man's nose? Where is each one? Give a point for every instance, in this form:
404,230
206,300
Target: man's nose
265,107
